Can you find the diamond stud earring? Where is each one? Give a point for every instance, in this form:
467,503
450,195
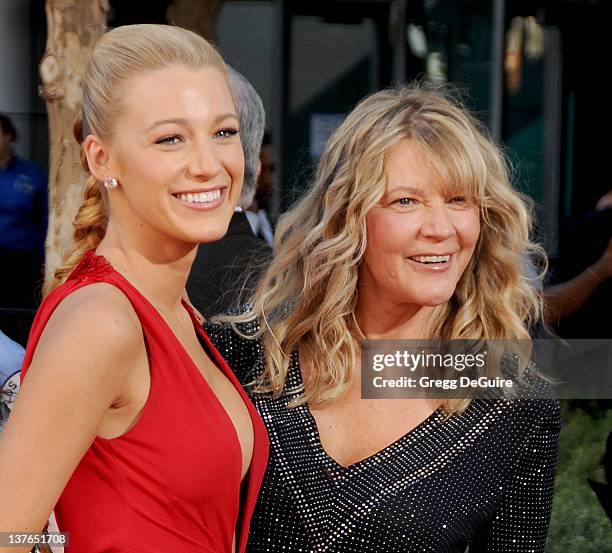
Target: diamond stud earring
110,183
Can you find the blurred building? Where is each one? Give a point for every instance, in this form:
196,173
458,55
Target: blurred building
531,69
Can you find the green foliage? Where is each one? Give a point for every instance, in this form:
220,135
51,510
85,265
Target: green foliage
579,524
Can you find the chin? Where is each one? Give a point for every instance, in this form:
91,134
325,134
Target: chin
434,300
211,236
209,231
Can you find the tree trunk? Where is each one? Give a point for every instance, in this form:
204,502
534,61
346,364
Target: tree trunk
196,15
72,29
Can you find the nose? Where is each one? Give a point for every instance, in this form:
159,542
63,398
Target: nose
204,162
437,222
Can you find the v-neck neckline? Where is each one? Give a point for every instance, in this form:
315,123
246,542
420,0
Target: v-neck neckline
217,360
421,429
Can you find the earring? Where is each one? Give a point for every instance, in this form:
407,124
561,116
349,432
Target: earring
110,183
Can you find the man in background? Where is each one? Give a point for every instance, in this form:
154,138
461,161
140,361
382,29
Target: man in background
259,210
23,223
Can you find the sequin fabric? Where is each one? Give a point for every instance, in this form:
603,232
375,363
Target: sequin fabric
91,268
483,478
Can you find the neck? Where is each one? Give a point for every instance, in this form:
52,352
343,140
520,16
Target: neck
158,272
379,317
5,158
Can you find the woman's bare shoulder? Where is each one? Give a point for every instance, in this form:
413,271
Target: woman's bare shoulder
96,326
97,310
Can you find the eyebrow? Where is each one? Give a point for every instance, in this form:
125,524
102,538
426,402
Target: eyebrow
185,122
409,189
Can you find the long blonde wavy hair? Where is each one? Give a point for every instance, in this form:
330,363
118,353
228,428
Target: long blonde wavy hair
117,56
306,300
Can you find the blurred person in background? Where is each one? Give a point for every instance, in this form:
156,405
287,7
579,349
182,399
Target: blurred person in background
11,357
23,223
579,296
259,210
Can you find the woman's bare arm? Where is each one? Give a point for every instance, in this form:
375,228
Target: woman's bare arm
78,370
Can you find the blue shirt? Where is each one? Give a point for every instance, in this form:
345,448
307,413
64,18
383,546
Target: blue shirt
23,206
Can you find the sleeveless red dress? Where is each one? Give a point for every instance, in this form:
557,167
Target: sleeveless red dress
172,483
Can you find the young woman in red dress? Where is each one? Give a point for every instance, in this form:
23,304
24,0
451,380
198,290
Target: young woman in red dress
129,424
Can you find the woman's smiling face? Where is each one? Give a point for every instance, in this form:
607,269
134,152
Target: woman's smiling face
420,237
177,154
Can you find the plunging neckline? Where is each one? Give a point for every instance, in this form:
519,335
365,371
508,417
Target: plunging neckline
421,429
216,359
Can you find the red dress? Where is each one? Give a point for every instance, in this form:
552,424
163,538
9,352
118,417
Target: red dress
172,483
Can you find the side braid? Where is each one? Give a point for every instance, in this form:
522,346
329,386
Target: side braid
89,225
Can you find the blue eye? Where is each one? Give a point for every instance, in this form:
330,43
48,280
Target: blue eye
227,133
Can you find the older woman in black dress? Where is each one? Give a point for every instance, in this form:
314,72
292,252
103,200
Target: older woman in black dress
410,230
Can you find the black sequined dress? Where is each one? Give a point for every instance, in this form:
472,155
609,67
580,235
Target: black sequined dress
483,478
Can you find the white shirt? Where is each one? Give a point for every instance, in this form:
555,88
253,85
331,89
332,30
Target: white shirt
260,225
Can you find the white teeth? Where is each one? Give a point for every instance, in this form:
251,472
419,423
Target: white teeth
431,258
201,197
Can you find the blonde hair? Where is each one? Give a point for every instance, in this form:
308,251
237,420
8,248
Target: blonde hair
117,56
306,300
